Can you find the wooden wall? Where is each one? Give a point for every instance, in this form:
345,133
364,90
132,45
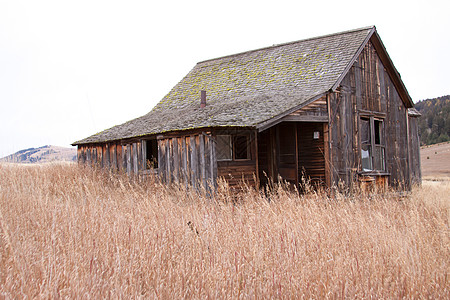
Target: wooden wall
236,172
188,159
311,153
367,89
414,151
289,151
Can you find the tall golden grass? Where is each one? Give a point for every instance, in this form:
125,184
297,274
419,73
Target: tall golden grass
70,231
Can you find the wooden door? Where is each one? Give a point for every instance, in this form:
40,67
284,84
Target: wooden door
311,153
286,136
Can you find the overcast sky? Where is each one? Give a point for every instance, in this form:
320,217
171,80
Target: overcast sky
69,69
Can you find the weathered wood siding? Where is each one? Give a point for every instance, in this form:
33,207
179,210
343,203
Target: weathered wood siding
235,172
289,151
367,89
311,153
188,159
414,151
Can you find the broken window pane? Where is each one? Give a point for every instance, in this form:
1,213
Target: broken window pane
366,158
365,131
379,139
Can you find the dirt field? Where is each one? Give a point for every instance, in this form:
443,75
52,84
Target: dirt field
435,160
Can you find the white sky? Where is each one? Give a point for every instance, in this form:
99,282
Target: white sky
69,69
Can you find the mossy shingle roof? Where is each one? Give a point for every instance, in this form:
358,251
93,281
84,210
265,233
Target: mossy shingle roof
249,88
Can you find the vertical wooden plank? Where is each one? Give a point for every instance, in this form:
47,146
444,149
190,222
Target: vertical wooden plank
100,156
144,154
107,156
129,155
94,156
296,156
114,156
202,159
213,164
188,160
208,174
168,160
256,156
89,155
135,158
121,161
162,159
194,161
183,169
326,148
176,160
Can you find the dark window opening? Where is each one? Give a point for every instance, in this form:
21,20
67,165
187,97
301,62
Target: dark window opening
232,147
151,154
241,148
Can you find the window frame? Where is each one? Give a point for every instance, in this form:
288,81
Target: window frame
148,143
375,145
232,147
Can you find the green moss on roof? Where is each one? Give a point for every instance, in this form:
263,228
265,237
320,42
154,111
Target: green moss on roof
247,89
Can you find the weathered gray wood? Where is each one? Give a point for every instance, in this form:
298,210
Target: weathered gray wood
176,160
194,161
162,160
88,156
114,157
305,118
107,157
144,145
214,163
208,174
184,165
129,158
202,159
135,158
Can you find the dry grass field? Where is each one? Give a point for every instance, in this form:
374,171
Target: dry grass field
69,231
435,161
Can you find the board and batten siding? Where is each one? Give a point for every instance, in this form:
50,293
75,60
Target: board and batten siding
367,90
188,159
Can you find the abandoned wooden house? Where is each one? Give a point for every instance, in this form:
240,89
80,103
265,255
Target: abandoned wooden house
328,109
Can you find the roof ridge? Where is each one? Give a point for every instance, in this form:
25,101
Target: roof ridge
288,43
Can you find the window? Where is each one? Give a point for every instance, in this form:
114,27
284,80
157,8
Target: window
223,147
241,147
151,152
232,147
372,144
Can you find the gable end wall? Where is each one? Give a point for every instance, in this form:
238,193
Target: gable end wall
367,89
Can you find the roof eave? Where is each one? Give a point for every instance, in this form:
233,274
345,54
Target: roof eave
277,119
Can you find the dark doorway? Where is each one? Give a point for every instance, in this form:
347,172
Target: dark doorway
294,152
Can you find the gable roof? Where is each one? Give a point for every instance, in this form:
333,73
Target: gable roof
250,88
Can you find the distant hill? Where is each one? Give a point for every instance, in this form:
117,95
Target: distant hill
434,124
42,154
